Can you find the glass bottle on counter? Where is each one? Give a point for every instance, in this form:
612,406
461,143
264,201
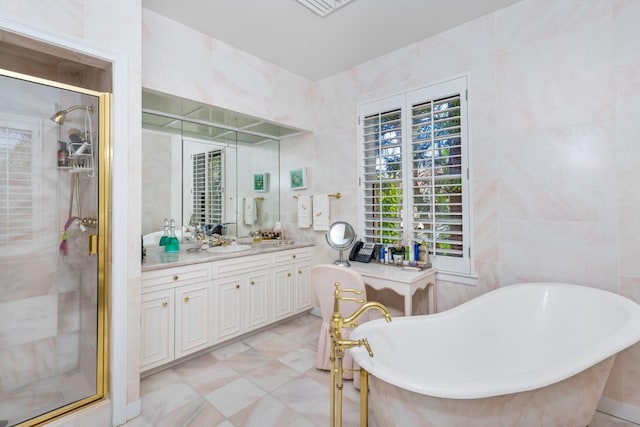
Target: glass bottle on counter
165,236
173,244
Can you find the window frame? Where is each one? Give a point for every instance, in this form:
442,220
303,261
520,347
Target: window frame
404,102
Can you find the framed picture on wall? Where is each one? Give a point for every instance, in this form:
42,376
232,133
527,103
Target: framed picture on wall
298,178
261,182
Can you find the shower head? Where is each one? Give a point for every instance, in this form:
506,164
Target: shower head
61,116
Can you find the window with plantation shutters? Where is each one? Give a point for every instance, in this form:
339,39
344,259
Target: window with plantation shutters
207,187
414,166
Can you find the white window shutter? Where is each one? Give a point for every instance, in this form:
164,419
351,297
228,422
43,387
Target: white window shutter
215,189
207,194
414,173
381,160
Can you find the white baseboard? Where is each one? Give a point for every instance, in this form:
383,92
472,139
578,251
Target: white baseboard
134,409
621,410
316,311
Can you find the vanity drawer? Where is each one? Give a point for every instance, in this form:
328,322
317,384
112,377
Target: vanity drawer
239,265
291,256
177,275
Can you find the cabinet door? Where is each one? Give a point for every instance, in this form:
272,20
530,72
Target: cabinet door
192,318
303,291
255,299
282,292
157,321
228,290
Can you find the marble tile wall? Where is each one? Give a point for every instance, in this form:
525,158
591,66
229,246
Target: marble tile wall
554,97
223,76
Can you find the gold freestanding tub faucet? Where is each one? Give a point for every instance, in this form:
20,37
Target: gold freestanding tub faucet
339,345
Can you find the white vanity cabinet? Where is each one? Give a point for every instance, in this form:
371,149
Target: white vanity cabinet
192,307
176,315
291,282
192,329
243,295
157,323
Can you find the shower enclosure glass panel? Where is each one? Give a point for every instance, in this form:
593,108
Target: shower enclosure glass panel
52,248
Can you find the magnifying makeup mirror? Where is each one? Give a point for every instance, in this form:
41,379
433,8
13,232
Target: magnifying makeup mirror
341,236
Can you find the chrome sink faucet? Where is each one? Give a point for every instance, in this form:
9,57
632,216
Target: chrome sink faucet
199,234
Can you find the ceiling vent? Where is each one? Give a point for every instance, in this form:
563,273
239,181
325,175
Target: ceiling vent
323,7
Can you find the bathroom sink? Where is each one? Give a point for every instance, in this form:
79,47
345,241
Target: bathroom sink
228,248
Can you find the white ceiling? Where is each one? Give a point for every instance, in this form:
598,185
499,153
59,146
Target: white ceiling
287,34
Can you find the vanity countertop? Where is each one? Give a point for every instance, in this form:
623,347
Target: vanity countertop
158,259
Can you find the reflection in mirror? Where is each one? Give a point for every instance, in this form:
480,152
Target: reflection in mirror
341,236
204,191
259,207
161,183
203,177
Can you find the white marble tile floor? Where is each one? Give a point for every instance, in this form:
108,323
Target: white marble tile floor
267,379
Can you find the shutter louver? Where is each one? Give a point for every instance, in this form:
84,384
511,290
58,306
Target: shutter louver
437,175
382,162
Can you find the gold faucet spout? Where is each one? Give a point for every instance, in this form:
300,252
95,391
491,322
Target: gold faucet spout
351,320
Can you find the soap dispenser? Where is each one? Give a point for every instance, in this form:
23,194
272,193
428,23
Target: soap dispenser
173,244
165,236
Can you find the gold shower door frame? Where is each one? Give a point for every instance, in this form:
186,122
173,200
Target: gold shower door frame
104,156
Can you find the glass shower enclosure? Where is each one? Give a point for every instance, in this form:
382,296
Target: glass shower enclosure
54,198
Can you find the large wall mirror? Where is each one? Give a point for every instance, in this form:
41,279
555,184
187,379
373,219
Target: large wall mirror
205,175
210,166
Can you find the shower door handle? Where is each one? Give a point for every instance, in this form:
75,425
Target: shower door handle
93,244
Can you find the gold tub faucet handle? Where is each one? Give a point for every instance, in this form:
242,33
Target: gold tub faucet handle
365,343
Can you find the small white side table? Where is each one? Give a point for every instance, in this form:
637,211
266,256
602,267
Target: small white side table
403,282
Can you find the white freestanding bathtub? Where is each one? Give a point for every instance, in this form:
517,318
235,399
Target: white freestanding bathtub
534,354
